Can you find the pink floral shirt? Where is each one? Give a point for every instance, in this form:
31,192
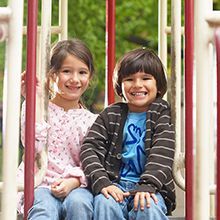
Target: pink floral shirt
65,131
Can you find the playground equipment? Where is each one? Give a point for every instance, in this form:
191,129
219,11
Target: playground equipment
11,29
198,69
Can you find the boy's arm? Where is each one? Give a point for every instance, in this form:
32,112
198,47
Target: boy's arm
158,169
93,153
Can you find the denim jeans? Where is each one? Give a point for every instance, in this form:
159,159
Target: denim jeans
109,209
48,207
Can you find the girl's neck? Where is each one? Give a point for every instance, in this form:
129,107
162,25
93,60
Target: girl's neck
65,103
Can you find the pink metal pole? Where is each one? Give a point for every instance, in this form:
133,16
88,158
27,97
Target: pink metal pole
189,57
30,104
217,39
110,46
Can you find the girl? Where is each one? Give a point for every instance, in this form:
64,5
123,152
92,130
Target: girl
71,68
129,151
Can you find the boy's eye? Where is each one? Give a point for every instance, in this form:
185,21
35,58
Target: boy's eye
147,78
128,79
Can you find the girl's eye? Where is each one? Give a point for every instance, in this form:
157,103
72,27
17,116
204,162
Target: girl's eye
83,72
66,71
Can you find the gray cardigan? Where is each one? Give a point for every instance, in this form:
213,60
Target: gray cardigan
102,148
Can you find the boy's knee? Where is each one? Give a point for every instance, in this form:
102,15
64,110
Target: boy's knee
102,201
153,212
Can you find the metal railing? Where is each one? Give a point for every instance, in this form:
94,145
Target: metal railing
11,30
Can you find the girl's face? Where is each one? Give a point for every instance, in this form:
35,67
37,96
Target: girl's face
72,79
139,90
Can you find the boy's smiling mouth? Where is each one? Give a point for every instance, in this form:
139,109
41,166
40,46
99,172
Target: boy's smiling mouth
138,93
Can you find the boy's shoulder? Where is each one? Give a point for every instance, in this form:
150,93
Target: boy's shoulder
159,104
116,107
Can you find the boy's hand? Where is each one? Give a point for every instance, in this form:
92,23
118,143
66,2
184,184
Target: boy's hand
114,191
62,187
142,198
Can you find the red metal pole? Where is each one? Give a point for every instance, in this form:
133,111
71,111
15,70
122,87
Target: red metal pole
217,39
30,104
110,47
189,57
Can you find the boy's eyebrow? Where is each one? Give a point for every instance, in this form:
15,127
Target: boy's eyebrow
148,75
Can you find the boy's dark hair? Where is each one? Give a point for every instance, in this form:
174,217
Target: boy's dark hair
140,60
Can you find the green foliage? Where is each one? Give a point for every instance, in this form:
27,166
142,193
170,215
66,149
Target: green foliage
2,56
135,22
216,4
3,3
136,26
1,156
87,22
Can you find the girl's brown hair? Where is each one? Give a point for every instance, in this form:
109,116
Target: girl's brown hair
64,48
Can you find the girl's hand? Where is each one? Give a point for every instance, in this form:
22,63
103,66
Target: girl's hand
62,187
114,191
142,198
23,85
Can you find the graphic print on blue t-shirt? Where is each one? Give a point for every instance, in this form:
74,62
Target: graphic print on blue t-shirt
133,154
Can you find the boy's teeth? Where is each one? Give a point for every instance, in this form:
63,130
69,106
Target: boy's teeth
138,93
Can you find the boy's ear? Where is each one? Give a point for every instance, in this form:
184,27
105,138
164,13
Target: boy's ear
158,93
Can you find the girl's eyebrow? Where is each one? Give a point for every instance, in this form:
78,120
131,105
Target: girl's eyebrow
83,68
70,67
63,67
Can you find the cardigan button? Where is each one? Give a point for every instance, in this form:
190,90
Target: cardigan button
118,156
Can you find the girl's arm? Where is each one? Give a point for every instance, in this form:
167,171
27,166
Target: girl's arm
75,172
41,130
62,187
78,134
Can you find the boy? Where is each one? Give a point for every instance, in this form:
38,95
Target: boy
128,153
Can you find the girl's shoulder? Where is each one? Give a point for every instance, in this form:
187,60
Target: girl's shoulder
54,109
88,114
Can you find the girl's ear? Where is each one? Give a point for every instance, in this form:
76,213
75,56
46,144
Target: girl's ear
53,76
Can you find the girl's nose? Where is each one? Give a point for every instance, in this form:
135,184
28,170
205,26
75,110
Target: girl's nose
74,77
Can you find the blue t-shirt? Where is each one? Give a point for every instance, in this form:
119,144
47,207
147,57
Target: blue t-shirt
133,153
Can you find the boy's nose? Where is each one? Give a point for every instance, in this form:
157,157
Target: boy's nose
138,83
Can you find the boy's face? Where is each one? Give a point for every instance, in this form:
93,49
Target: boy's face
139,90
